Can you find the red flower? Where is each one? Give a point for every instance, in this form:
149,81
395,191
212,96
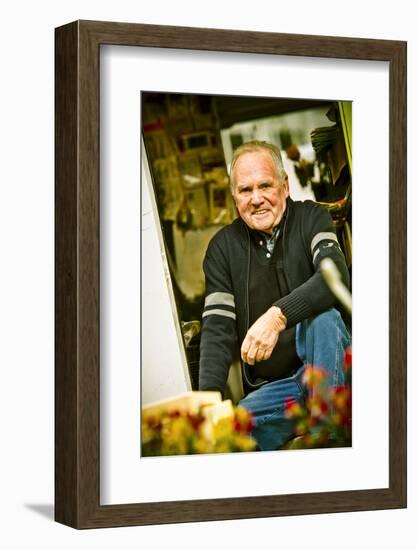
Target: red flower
347,362
289,402
243,421
341,397
292,408
195,420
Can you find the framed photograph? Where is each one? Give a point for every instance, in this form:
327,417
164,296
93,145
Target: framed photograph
125,228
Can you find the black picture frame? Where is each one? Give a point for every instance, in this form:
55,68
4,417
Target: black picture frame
77,358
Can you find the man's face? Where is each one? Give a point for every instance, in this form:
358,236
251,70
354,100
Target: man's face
259,195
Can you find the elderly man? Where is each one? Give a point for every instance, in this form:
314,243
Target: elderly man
266,295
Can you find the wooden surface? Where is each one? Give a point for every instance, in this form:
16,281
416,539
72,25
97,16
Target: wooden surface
77,372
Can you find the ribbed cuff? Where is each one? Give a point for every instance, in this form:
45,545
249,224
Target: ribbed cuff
295,308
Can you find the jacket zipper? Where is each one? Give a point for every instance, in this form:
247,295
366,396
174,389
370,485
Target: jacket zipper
283,247
245,376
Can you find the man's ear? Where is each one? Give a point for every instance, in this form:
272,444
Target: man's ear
286,187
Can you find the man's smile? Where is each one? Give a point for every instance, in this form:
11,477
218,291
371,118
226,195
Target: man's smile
260,212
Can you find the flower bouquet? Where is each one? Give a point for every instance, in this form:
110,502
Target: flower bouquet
325,420
184,430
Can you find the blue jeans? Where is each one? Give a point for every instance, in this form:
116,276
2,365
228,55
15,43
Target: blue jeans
319,341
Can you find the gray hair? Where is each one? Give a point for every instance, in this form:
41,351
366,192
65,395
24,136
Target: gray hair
256,146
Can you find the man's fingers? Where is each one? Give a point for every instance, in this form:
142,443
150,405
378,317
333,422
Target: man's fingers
254,352
260,354
248,351
250,357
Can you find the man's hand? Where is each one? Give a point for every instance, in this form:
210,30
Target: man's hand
262,336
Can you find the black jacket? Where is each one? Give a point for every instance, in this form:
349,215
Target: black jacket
308,236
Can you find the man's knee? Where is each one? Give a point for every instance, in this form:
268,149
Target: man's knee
328,319
322,339
327,325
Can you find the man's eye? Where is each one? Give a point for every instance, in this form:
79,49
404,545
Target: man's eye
265,185
244,190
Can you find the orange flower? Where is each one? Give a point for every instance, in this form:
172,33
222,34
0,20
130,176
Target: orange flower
317,406
341,398
313,376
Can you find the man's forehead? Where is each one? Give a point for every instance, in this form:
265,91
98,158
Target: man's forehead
259,161
259,154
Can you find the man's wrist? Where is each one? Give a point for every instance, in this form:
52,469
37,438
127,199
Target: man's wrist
280,318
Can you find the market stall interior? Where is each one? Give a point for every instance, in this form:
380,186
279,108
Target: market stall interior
189,141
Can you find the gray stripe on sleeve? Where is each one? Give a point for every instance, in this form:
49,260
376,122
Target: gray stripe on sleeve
325,236
223,312
220,299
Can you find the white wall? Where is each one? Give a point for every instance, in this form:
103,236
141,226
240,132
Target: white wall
26,289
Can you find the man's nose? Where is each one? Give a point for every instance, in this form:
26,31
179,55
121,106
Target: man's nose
256,197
